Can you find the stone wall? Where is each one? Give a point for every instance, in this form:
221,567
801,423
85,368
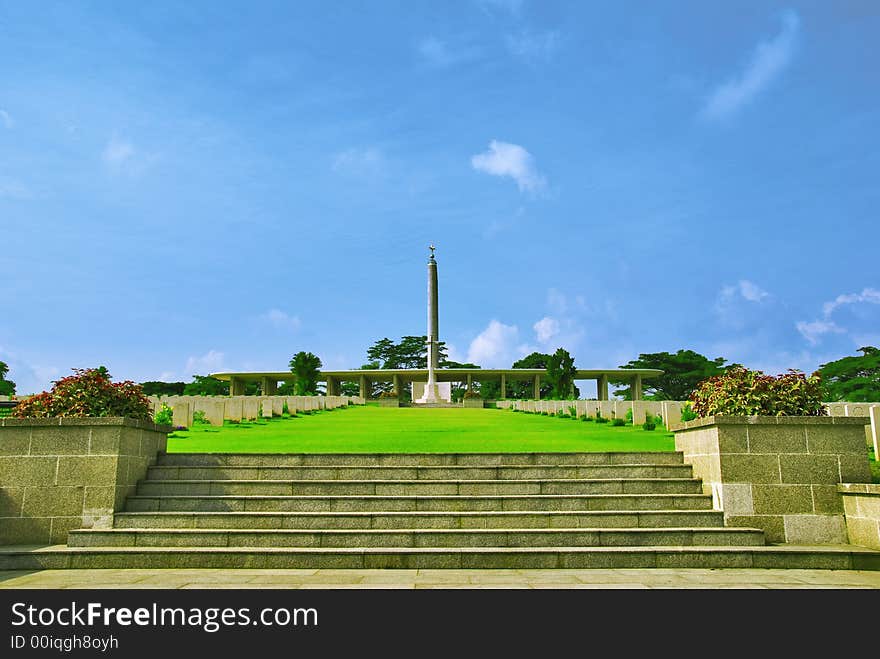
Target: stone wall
779,474
861,503
62,474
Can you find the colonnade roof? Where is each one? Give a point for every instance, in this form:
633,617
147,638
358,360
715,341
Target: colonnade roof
445,374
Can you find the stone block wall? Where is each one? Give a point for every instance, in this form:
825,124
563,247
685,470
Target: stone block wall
62,474
861,503
779,474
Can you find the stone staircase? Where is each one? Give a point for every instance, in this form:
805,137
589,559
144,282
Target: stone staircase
545,510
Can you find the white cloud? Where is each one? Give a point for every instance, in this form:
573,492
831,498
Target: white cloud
505,159
6,119
12,189
556,301
751,291
744,289
814,330
513,7
29,378
496,346
281,320
867,296
443,54
453,355
117,153
546,329
367,161
534,46
768,60
211,362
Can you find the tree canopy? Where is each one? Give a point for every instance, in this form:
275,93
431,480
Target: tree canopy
305,367
7,387
560,375
158,388
522,389
855,379
410,352
682,372
205,385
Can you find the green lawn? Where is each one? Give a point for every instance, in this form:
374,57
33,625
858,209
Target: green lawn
370,429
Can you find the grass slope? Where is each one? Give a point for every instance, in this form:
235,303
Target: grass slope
410,430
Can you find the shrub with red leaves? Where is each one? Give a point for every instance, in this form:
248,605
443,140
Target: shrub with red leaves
88,393
741,392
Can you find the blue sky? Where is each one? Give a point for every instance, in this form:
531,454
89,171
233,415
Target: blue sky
190,187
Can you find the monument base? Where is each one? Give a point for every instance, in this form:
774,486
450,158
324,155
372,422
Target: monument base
442,393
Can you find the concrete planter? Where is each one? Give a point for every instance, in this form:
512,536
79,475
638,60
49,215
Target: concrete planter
779,474
388,402
861,503
472,402
62,473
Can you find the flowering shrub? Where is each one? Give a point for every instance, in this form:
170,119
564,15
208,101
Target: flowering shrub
164,416
687,412
88,393
471,394
741,392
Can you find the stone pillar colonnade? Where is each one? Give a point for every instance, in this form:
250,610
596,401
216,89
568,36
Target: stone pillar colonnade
268,386
637,387
602,387
236,387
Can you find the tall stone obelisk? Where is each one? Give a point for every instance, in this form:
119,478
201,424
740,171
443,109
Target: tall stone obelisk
431,393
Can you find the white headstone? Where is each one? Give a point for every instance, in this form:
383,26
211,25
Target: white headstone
250,408
181,415
874,412
233,409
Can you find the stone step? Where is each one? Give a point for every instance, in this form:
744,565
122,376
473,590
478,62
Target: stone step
422,520
411,472
510,537
420,459
419,487
409,503
844,557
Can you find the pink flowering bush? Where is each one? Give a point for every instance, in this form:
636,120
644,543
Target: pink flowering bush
88,393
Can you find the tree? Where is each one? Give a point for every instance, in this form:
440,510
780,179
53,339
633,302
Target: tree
522,389
682,372
305,368
158,388
411,353
205,385
7,387
458,389
560,375
855,379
